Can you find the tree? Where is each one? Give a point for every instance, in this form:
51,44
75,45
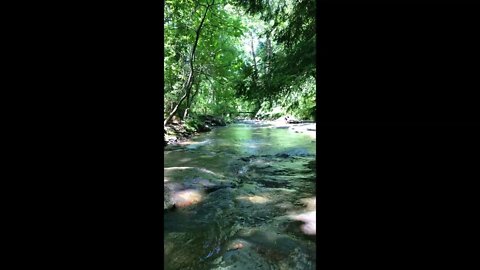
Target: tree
230,55
187,86
216,58
287,54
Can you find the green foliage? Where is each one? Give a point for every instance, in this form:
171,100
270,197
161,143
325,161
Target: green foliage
227,76
218,55
287,56
192,124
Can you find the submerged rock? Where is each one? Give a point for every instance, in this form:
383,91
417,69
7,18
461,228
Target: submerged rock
183,195
310,220
254,199
187,197
310,203
237,244
272,183
217,187
182,189
311,165
167,198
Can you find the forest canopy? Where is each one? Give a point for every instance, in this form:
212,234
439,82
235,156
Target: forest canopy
222,57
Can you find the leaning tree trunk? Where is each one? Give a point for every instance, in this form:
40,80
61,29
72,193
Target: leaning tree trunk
190,100
197,88
188,84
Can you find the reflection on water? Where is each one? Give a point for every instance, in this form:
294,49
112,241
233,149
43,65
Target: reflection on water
255,220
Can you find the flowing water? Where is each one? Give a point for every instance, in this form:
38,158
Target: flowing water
256,179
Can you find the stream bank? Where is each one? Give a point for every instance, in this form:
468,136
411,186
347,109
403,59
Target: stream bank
180,131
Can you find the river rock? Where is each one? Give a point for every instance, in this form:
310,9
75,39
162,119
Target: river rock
246,159
212,121
310,220
237,244
219,122
170,138
187,197
182,190
204,128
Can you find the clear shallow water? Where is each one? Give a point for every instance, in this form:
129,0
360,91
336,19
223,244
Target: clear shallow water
248,224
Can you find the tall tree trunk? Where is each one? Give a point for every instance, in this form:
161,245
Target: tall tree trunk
255,71
254,78
269,54
188,84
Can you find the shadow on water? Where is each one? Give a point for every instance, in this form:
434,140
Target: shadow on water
247,224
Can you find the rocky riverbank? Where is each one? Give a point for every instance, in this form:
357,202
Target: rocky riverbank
298,126
180,131
306,127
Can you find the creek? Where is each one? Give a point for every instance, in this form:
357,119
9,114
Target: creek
254,205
